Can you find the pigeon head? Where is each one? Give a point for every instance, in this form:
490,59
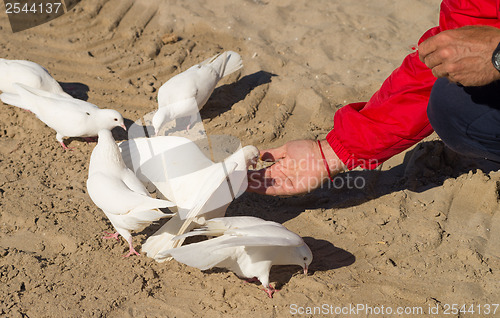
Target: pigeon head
245,157
110,118
252,155
304,256
161,117
300,255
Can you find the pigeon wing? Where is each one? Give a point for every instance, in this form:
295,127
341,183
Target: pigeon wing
113,196
203,255
37,93
210,253
183,108
264,234
133,183
160,160
219,226
68,116
214,178
205,196
254,241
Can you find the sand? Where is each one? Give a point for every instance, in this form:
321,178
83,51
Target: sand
422,233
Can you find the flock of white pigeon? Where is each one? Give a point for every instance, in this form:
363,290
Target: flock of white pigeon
196,190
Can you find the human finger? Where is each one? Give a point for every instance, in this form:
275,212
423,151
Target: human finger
271,172
440,71
271,181
427,47
273,154
432,60
424,49
274,187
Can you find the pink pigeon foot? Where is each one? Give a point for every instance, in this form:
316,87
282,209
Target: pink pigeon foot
65,147
115,236
131,249
270,291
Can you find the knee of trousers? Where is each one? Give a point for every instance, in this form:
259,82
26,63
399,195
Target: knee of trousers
442,112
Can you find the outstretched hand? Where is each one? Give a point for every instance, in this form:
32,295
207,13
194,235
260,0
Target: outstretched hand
462,55
298,168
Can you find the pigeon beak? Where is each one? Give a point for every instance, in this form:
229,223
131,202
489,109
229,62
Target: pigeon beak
305,269
254,163
124,127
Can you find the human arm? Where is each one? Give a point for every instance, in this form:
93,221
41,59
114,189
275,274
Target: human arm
298,168
462,55
364,134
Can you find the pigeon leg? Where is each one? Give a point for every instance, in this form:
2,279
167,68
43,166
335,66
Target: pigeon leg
270,291
65,147
131,248
115,236
192,121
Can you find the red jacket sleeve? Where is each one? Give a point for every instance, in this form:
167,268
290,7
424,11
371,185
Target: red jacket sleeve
395,118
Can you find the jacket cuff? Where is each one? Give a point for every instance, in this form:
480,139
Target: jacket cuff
349,160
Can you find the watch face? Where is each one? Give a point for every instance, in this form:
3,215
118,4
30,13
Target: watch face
495,59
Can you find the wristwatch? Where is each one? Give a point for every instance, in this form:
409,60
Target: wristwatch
495,58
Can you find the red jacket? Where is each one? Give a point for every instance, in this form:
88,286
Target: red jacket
395,118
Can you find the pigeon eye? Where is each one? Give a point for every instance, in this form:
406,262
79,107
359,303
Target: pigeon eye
87,113
305,258
116,119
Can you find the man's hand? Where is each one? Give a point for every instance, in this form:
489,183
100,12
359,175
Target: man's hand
462,55
298,168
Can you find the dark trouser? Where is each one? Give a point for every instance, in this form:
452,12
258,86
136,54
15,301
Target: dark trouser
467,118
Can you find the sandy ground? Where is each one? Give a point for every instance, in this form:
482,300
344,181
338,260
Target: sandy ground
423,232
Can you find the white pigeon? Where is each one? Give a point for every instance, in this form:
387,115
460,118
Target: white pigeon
180,171
186,93
116,190
27,73
248,246
69,117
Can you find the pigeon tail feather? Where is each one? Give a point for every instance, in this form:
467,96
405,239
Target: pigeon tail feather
162,239
225,63
233,63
